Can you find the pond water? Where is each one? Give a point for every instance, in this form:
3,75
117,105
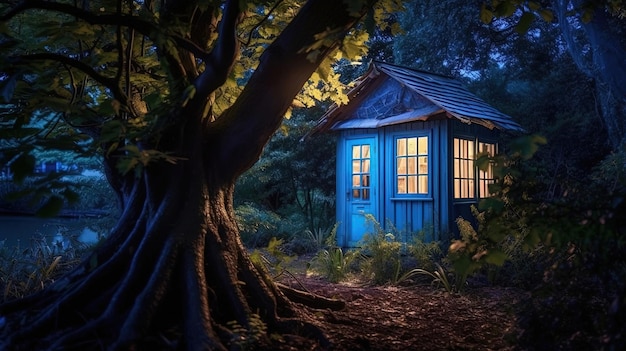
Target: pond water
18,231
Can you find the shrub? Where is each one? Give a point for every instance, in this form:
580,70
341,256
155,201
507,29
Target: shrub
257,226
333,262
425,253
383,262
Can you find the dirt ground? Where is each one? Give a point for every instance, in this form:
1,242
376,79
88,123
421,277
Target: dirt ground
413,317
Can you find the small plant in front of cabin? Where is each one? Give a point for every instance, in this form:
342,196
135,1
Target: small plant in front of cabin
439,277
333,262
425,253
473,251
383,263
272,258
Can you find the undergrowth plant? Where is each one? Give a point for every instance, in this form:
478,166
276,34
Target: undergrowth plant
272,258
383,263
24,271
426,253
474,250
333,262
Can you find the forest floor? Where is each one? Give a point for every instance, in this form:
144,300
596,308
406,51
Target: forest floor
412,317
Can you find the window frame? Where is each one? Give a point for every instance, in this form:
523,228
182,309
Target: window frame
394,175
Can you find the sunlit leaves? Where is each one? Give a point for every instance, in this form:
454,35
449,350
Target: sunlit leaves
136,159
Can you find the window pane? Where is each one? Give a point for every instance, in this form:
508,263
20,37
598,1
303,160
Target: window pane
423,184
365,166
401,147
366,194
401,166
411,162
356,166
356,181
470,150
366,180
356,151
423,146
356,194
412,185
401,185
423,165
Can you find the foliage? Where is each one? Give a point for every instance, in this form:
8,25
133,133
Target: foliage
333,262
272,258
257,226
439,277
294,177
24,271
473,251
247,338
383,252
581,237
426,253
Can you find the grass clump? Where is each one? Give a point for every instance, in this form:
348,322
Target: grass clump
26,271
332,262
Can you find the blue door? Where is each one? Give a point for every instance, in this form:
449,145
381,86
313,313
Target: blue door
361,171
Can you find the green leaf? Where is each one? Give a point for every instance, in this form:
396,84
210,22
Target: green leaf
483,161
496,257
524,23
527,146
485,14
533,5
547,15
112,131
490,203
505,9
22,167
51,207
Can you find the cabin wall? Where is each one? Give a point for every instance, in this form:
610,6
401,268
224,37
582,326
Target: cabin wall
408,214
433,214
413,214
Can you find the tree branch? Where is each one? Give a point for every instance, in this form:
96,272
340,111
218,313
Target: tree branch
145,28
220,61
88,70
243,130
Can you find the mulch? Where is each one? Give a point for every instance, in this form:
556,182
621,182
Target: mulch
415,316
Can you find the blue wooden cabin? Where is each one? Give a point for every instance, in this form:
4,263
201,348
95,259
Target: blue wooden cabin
406,149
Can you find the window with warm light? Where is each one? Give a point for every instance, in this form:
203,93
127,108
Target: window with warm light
412,165
468,180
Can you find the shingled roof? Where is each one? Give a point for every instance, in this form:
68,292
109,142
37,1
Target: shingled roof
434,96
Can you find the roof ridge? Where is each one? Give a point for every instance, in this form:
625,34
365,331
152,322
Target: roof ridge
417,70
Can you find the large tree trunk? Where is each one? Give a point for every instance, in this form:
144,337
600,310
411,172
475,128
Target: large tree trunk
174,269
